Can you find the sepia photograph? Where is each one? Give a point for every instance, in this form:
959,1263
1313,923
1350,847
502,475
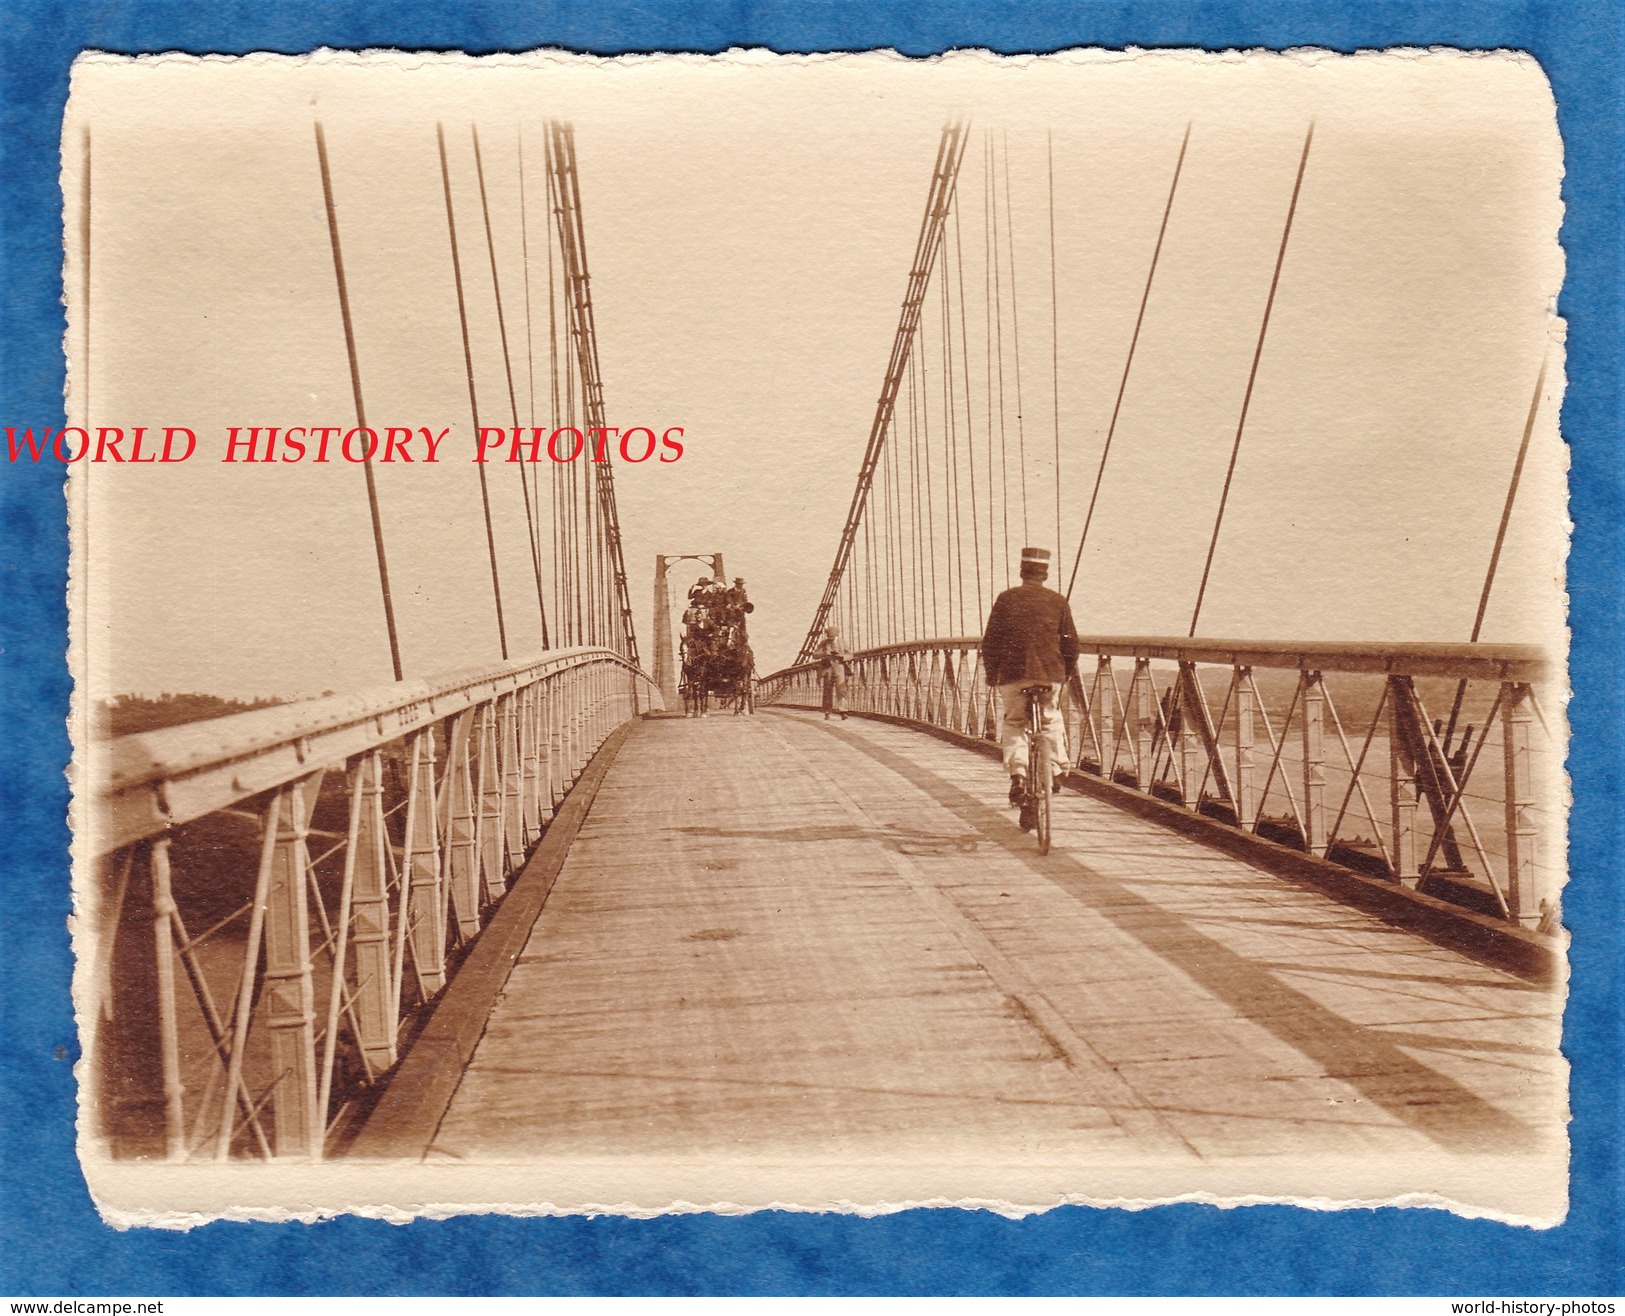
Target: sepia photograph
675,633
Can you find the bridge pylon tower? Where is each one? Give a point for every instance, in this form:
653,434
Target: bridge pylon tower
666,669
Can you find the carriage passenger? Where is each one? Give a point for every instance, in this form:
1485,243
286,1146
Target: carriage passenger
738,602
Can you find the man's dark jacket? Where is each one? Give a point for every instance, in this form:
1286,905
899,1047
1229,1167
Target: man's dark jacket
1029,637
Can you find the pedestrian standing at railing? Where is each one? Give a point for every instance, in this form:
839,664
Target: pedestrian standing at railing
834,666
1030,640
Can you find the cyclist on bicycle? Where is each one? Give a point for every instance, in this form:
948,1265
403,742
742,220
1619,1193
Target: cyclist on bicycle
1030,640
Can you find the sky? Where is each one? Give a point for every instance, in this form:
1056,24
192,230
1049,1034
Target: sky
749,224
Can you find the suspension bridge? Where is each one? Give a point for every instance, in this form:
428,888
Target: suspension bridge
1303,898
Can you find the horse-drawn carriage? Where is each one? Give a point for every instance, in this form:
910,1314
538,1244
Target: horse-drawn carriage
717,663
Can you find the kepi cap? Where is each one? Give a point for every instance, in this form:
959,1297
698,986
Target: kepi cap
1035,557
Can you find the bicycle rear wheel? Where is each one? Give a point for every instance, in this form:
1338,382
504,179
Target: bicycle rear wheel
1039,787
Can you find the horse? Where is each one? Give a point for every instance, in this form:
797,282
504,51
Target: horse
728,674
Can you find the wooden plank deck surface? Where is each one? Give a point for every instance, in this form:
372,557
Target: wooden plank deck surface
777,936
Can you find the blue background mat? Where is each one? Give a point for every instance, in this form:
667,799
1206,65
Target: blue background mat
51,1241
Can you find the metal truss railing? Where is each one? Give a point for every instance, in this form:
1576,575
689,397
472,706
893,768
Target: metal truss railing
1332,749
277,894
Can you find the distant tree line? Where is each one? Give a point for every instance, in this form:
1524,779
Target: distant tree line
125,715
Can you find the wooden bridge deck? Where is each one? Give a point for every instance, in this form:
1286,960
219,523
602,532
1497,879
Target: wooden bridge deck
777,937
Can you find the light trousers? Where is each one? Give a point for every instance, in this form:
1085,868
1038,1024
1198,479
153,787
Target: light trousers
834,679
1013,728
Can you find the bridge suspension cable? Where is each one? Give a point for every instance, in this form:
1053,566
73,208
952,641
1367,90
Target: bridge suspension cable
936,468
1252,377
590,598
911,657
1128,362
473,396
949,478
1512,494
530,377
995,319
577,280
507,368
944,175
959,465
355,385
1500,540
1015,339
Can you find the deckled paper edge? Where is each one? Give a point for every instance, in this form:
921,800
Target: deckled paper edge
80,920
184,1221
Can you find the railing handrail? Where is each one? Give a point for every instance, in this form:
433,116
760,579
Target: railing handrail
243,754
1174,733
1526,663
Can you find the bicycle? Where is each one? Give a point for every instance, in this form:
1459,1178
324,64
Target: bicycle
1035,805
